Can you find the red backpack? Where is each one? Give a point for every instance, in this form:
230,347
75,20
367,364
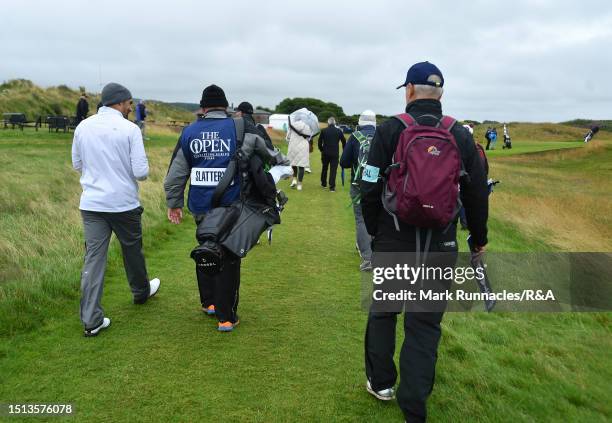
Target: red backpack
422,184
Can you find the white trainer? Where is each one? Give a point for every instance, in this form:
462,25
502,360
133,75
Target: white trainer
383,395
299,186
95,331
154,286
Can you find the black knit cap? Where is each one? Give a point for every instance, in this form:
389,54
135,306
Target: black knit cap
213,96
245,107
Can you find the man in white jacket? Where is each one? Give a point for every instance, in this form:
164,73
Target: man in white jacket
108,151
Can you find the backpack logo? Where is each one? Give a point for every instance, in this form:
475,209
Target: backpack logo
433,151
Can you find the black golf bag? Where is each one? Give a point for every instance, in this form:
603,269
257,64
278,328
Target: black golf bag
236,228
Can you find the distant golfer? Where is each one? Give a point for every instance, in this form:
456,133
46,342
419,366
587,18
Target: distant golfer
109,153
589,136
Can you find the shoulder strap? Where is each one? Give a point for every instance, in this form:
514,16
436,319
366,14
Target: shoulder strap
308,137
406,119
224,183
359,136
239,123
447,122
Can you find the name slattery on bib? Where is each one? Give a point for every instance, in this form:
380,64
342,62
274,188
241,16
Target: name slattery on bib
207,177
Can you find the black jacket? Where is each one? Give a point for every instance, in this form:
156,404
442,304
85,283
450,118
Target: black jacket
82,109
474,194
256,128
329,140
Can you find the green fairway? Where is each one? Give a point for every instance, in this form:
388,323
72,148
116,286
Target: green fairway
298,352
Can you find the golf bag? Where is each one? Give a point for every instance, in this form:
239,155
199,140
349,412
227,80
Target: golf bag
237,228
507,143
589,136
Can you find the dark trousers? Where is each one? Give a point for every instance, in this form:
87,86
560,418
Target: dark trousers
223,289
418,358
98,228
419,351
298,172
332,163
488,143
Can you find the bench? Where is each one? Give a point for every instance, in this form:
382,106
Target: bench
20,120
58,122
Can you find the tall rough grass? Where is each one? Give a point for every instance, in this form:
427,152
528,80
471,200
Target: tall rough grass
41,247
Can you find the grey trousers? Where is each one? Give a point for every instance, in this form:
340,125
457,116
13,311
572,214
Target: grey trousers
141,125
98,227
364,240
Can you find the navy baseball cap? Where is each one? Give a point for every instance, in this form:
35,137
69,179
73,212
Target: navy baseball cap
421,73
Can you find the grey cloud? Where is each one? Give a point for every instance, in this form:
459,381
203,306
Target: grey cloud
519,60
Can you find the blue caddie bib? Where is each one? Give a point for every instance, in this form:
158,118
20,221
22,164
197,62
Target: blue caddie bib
208,146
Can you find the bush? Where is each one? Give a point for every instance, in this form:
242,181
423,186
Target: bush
322,109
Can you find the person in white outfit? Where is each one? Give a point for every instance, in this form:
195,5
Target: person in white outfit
108,152
298,136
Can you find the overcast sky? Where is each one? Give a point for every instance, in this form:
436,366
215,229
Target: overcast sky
535,60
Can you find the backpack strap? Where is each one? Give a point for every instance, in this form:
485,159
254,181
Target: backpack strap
446,122
406,118
308,137
359,136
239,124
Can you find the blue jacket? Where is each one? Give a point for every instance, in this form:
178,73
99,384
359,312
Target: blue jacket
141,112
350,155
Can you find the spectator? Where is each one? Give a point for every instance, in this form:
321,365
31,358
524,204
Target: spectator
245,111
82,108
299,136
354,156
141,115
488,137
329,144
493,137
422,330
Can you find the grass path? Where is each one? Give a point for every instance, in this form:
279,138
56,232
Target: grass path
298,354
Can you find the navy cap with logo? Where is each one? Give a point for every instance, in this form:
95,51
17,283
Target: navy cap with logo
424,73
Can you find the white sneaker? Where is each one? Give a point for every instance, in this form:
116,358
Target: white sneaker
153,288
94,332
299,186
307,170
383,395
293,183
